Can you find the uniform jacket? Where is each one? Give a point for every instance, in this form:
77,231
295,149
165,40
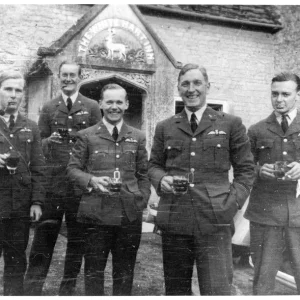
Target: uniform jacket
54,115
97,154
21,190
274,202
211,201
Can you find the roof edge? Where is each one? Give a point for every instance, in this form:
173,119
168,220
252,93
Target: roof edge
59,44
199,16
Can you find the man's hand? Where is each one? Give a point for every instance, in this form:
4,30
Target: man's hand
99,183
267,171
55,137
166,184
35,213
2,160
294,173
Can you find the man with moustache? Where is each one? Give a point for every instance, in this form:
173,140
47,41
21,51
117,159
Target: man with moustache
22,190
113,221
60,120
197,225
274,206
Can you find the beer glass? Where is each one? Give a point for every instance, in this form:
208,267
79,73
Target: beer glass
115,183
280,168
12,161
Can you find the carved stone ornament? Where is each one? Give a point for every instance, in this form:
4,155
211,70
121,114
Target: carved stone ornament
116,40
141,79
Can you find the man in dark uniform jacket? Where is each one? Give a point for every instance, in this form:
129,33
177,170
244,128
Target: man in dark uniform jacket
274,208
22,191
113,220
59,121
197,225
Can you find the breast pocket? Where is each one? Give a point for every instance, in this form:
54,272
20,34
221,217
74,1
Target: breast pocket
173,151
264,149
216,153
81,121
129,154
99,158
58,122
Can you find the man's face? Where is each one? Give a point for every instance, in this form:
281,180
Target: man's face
69,79
11,93
114,104
193,89
284,96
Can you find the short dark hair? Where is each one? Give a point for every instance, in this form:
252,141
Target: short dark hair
10,74
112,86
287,76
189,67
69,62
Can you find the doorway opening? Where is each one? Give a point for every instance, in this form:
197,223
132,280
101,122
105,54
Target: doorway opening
133,115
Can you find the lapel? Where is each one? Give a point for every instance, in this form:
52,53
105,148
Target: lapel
103,132
294,127
61,106
208,118
20,123
124,133
273,125
77,105
183,123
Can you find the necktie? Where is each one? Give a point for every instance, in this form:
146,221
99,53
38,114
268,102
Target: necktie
284,123
194,124
11,122
115,133
69,104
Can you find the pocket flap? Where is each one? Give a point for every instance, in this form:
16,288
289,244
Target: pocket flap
174,144
59,121
264,143
215,190
216,142
132,187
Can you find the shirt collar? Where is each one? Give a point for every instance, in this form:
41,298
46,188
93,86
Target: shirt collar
110,127
6,117
291,116
198,113
73,97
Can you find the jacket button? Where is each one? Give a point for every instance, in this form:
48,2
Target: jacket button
55,123
11,135
83,122
262,147
70,129
96,151
218,146
193,153
192,185
169,147
284,153
117,144
194,139
29,140
192,170
70,153
70,117
285,140
117,156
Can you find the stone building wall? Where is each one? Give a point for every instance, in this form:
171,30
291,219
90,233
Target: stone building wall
240,63
25,28
287,41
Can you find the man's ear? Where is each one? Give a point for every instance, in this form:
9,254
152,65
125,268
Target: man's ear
100,103
127,104
207,87
298,96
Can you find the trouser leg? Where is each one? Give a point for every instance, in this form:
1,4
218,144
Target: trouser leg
178,260
266,246
292,237
74,251
213,255
124,250
98,240
45,236
16,233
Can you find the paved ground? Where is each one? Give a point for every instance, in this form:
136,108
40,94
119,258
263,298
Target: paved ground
148,273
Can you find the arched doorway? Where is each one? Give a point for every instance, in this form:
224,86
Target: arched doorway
133,115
